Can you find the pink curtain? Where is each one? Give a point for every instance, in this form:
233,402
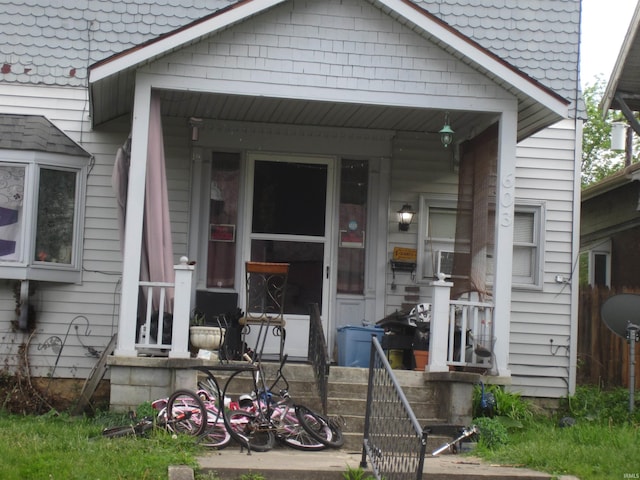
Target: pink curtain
157,247
156,264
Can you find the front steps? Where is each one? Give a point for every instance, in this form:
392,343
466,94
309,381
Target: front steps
436,399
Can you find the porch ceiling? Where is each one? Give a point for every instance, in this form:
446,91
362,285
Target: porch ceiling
313,113
285,111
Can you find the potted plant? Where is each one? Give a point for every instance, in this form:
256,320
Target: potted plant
202,336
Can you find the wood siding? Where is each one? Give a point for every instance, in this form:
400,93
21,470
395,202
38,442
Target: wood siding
603,357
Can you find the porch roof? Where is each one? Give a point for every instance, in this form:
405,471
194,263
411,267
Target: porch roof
112,80
624,84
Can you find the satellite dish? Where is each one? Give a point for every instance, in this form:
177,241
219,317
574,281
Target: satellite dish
619,311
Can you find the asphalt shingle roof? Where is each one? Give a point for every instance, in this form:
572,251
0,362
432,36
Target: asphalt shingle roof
36,133
52,42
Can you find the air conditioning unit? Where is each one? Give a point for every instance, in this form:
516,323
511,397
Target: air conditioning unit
444,262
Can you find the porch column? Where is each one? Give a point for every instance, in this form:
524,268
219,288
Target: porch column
439,331
127,320
181,309
505,200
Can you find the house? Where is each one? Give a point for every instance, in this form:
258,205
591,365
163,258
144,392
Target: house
294,132
610,215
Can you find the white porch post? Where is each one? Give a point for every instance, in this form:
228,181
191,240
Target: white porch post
133,227
181,309
505,200
439,332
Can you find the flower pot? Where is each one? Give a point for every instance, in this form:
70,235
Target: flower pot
206,338
422,359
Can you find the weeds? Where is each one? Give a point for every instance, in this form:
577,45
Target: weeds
356,474
592,436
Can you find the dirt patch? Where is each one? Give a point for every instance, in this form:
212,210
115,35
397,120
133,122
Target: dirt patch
36,396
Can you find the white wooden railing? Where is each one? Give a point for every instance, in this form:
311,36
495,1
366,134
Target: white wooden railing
461,331
153,335
471,337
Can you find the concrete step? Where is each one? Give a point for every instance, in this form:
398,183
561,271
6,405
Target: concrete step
284,463
347,391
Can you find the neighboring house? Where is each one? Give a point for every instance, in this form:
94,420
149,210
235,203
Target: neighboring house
294,131
610,215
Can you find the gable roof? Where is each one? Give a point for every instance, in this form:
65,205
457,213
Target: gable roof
53,43
541,104
625,77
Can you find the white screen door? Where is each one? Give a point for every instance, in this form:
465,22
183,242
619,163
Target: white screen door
288,220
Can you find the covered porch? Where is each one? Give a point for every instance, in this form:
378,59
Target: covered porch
222,105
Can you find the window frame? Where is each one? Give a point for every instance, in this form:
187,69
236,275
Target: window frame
537,208
28,267
535,280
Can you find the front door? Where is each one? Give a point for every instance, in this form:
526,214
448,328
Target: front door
288,220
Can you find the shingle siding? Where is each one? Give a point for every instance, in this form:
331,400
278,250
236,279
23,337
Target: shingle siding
382,68
53,43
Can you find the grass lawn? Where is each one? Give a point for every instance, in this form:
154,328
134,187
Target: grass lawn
65,448
602,442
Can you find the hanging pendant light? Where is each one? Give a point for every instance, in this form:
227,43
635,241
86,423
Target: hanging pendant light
446,133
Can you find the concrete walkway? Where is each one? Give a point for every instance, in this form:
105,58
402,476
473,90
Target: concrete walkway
288,464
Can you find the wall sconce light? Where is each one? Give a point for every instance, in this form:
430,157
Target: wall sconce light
405,217
446,133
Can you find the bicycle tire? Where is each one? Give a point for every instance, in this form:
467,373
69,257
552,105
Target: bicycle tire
291,433
118,432
321,428
216,436
248,430
186,413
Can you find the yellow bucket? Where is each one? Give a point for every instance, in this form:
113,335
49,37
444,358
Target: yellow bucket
395,358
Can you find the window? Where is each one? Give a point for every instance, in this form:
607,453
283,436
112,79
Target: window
595,265
354,186
40,216
438,230
438,224
224,187
528,219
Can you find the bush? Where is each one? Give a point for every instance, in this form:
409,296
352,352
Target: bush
492,433
602,406
507,404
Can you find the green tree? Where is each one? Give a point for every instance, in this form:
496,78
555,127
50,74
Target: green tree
598,160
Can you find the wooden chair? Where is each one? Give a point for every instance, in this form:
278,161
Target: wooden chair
266,285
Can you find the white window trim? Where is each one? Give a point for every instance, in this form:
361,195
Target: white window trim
427,202
28,268
538,208
602,248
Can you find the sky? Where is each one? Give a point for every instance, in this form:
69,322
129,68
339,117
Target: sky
604,26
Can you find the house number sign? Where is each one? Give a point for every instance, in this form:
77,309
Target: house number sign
506,199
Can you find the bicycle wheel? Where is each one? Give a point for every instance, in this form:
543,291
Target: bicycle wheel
248,430
216,436
290,432
186,413
321,428
117,432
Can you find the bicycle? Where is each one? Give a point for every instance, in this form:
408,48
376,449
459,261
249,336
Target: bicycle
180,413
262,417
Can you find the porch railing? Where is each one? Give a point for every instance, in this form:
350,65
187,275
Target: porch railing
461,331
471,336
160,332
394,442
